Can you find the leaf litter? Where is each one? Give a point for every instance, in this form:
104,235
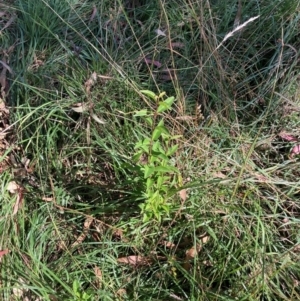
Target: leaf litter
88,106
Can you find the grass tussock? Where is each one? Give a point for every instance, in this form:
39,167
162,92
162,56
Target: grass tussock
78,140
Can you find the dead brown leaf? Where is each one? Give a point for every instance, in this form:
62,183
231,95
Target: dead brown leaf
13,187
287,136
118,233
121,292
189,255
219,175
135,260
168,74
3,252
94,12
80,107
3,108
176,45
19,202
185,118
152,62
86,226
192,252
183,194
205,239
169,244
90,82
295,151
98,274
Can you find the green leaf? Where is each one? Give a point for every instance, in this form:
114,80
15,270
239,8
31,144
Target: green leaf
172,150
166,104
165,169
149,93
148,171
156,133
169,101
141,113
149,120
136,157
162,183
149,184
160,129
161,123
157,147
163,107
166,137
143,145
147,141
160,155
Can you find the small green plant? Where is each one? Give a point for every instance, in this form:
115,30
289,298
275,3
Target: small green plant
154,158
79,294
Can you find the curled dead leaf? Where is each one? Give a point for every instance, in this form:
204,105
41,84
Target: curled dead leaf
295,151
97,119
13,187
80,107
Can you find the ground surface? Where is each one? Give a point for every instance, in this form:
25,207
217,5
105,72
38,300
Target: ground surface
149,150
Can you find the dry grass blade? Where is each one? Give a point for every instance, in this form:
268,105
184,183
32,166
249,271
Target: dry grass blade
86,226
4,64
8,23
94,12
238,28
